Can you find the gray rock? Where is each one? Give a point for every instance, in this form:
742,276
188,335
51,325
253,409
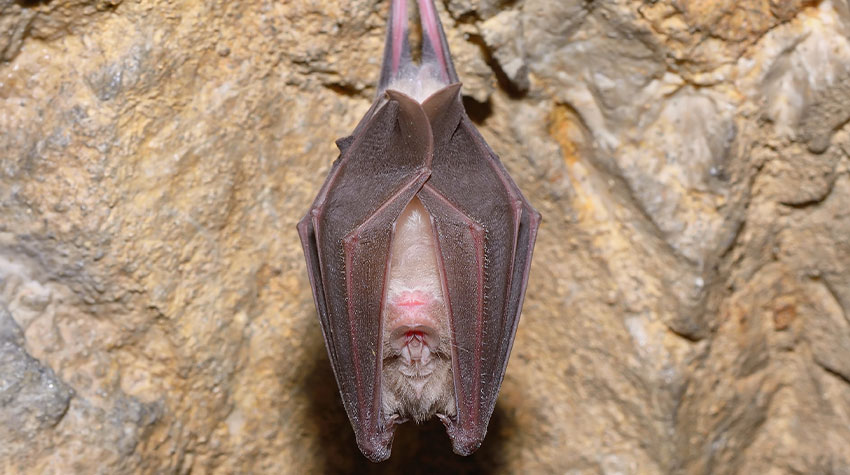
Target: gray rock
32,398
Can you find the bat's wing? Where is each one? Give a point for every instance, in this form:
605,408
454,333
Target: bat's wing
486,231
346,237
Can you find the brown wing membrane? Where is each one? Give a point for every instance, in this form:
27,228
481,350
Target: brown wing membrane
486,232
461,245
346,237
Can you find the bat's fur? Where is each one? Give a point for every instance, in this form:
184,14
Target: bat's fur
418,82
402,395
417,381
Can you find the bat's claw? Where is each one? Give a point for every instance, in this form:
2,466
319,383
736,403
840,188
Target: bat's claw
395,420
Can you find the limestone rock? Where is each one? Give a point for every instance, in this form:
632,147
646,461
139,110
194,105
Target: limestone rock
503,35
32,399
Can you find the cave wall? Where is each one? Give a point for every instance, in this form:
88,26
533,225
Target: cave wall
688,309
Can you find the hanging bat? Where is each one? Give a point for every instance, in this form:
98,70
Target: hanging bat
418,248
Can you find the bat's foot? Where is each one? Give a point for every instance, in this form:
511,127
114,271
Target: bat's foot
399,72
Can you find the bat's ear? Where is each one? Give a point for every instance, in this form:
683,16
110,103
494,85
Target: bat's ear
414,123
444,110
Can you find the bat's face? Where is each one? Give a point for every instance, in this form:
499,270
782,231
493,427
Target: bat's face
418,248
417,376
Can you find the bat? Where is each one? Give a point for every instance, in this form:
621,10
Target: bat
418,249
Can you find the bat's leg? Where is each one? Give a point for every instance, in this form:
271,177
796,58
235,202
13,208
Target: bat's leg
397,47
398,71
435,48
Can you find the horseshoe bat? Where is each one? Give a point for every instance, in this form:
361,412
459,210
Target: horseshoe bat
418,248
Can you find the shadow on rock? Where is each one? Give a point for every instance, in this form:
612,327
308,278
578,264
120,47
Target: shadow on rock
421,448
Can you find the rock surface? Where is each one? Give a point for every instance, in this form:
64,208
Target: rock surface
689,303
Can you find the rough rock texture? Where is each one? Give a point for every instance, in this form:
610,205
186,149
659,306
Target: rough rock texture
689,303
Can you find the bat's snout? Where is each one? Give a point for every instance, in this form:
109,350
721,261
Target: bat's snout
418,335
